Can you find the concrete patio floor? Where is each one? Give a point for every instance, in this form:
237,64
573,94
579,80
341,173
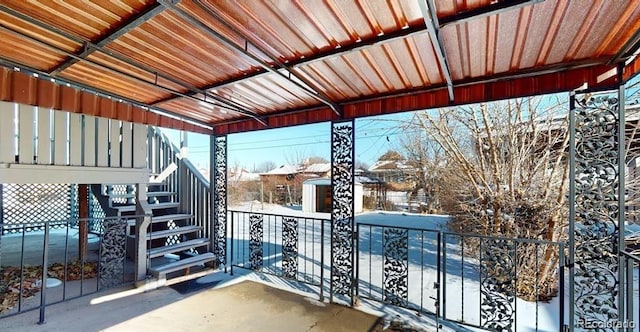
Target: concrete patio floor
243,306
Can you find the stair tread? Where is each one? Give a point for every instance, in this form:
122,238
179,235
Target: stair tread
154,206
182,264
167,217
169,232
121,195
164,205
160,193
157,252
125,208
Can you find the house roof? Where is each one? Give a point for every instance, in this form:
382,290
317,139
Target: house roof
232,66
244,175
316,168
282,170
391,165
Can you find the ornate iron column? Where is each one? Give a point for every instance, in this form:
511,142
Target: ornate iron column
342,209
596,211
219,192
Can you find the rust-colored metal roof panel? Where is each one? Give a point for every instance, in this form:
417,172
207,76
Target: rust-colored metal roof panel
291,30
197,110
395,66
119,84
87,19
451,7
536,35
268,93
16,46
171,46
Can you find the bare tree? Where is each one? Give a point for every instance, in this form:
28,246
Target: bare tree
427,158
264,167
506,173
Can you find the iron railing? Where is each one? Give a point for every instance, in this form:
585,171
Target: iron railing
292,247
632,308
69,273
469,279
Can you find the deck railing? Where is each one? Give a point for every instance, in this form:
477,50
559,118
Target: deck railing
632,310
192,187
31,247
470,279
43,136
292,247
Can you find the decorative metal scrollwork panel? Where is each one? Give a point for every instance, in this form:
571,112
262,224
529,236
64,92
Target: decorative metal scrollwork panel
289,247
596,210
112,252
497,284
220,199
256,234
396,266
342,161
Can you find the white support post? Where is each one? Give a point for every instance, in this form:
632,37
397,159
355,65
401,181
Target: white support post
142,224
7,133
114,145
61,129
127,144
75,139
89,140
25,134
44,136
102,140
139,146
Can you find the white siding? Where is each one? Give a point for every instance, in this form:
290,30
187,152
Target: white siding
7,132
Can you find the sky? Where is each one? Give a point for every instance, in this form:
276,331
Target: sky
374,136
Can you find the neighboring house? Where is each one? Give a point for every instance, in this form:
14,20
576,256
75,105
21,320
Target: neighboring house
242,175
281,185
316,170
397,173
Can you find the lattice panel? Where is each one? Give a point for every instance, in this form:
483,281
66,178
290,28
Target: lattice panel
36,203
96,214
122,189
173,239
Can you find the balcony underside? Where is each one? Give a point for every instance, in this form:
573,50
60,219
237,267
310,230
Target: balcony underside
29,174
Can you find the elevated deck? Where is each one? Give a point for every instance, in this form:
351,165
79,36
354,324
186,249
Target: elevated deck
27,174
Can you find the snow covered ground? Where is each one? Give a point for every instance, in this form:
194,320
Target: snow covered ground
460,291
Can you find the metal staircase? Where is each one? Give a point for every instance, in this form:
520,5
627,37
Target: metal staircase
174,242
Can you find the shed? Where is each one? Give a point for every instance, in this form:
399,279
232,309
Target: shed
316,195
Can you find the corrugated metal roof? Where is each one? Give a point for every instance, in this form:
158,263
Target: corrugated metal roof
267,63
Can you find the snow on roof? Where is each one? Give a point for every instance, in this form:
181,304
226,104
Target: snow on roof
318,182
385,165
244,176
282,170
317,168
